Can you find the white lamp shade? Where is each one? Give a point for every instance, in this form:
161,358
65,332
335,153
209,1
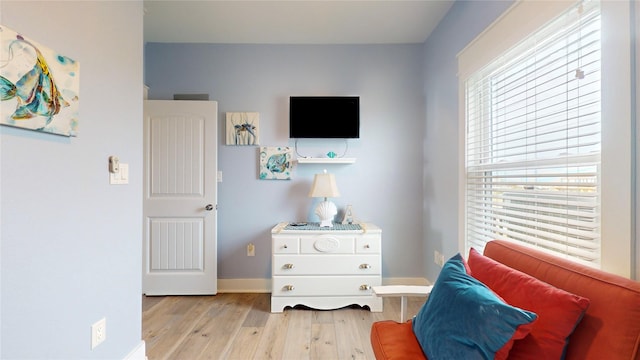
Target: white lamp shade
324,185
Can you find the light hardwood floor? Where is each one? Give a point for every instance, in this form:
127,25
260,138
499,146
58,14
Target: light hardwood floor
241,326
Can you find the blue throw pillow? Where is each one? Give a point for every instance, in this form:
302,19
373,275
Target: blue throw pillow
463,319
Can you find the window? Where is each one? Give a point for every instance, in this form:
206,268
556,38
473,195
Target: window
533,141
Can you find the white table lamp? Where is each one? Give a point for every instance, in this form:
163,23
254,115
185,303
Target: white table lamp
324,185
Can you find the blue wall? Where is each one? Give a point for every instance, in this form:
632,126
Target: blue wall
384,186
70,242
465,21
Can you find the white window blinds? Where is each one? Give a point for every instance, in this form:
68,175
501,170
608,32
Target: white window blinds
532,155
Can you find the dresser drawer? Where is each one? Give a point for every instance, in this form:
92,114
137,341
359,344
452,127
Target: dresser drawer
327,243
324,285
326,265
285,245
368,244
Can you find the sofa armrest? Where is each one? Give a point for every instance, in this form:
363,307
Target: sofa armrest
402,291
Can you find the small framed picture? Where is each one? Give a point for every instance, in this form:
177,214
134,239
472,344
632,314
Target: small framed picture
276,162
243,128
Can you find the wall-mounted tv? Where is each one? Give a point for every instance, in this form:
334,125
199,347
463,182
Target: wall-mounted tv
324,117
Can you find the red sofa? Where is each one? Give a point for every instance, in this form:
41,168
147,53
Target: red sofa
610,328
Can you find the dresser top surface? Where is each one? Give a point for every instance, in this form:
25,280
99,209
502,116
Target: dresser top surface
286,228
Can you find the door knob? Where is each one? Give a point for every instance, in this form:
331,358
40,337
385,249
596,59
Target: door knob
209,207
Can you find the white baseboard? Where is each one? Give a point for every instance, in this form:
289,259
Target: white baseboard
264,285
138,353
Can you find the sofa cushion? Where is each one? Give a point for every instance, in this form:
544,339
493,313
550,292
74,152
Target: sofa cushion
463,319
558,311
392,340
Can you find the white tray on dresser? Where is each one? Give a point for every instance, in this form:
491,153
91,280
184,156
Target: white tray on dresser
325,268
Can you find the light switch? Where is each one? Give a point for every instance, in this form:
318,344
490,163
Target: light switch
124,173
121,177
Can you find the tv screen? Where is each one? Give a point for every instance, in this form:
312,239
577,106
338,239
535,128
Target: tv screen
324,117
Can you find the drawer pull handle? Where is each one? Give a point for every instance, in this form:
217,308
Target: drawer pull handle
365,287
285,246
367,246
365,266
288,288
287,266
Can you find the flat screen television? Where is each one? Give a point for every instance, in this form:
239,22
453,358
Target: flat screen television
324,117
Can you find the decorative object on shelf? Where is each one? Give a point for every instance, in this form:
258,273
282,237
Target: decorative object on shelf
243,128
324,185
331,154
39,88
348,217
275,162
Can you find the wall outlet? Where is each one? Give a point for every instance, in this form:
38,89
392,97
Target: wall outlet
251,250
438,258
98,332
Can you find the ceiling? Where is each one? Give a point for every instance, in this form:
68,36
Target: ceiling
292,22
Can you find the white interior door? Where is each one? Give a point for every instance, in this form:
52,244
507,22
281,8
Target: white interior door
180,196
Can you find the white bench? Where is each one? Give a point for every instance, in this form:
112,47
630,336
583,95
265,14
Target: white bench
403,291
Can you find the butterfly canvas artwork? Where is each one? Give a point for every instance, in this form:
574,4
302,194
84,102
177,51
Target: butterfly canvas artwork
243,128
39,88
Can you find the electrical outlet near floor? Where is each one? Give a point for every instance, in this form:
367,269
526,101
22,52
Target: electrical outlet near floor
98,332
251,250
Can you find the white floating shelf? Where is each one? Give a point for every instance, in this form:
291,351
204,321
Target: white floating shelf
326,160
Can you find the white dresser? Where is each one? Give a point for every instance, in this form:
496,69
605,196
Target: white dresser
325,268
